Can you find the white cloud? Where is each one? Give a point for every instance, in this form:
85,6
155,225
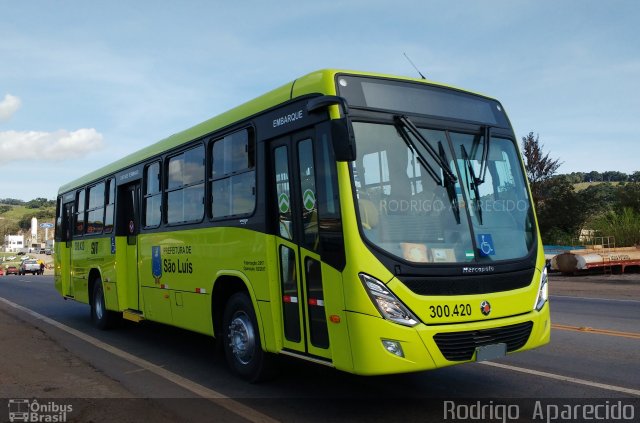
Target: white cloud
8,106
58,145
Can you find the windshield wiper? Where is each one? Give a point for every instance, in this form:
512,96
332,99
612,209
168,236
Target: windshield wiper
406,128
450,186
473,183
485,153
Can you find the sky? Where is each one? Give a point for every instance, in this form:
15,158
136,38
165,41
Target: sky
84,83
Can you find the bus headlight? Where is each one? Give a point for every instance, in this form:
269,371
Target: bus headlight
389,306
543,291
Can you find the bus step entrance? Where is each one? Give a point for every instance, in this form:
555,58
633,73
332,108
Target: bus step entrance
133,315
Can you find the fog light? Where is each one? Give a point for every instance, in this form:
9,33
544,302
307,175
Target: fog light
393,347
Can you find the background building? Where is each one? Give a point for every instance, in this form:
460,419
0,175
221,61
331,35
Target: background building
13,243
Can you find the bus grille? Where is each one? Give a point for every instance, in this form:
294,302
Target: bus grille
460,346
470,284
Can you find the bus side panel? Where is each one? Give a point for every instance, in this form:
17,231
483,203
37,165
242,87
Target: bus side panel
120,273
80,270
105,263
339,342
62,278
110,295
157,305
187,262
273,321
190,311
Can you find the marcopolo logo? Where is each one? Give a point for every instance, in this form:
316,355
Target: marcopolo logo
485,307
24,410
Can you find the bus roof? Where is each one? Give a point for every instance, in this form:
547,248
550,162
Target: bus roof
320,82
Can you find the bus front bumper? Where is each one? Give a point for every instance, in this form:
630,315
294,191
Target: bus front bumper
425,347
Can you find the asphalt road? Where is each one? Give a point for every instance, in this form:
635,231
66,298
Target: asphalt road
581,362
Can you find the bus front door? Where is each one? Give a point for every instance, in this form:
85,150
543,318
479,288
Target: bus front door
304,328
128,228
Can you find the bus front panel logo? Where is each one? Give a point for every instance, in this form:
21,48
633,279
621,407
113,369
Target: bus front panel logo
485,307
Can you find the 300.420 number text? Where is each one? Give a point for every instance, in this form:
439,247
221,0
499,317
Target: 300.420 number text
459,310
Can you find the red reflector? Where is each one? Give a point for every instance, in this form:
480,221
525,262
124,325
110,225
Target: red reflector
313,301
334,318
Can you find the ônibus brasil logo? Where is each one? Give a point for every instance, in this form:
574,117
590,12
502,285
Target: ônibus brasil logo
24,410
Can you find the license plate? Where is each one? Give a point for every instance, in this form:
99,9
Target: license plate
489,352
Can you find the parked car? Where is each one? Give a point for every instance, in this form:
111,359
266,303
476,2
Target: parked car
12,270
1,271
30,266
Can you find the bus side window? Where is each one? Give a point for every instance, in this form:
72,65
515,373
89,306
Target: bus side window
233,180
185,186
308,194
95,212
110,208
152,195
79,215
58,236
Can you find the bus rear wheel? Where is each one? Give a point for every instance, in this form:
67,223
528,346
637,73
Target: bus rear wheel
241,341
102,318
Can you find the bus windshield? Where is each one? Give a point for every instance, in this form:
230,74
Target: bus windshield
420,217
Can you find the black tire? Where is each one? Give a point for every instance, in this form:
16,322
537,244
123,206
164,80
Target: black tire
241,341
102,318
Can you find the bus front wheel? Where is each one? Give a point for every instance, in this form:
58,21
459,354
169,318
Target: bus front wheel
241,341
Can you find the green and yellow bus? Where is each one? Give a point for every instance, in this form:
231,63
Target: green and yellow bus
372,223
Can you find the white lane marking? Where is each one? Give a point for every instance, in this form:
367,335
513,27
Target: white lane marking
594,299
554,376
216,397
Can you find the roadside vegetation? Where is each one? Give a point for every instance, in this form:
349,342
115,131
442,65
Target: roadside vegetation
15,215
605,202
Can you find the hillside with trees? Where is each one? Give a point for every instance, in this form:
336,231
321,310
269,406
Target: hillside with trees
606,202
16,215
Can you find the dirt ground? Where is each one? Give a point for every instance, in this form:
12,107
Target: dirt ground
618,287
33,365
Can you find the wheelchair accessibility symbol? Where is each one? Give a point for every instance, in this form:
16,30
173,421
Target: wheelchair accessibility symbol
485,245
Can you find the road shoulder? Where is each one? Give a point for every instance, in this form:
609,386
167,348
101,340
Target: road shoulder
613,287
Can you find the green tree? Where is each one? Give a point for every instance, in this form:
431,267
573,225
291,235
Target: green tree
575,177
628,196
39,203
11,201
600,197
593,176
614,176
562,212
45,214
539,166
623,224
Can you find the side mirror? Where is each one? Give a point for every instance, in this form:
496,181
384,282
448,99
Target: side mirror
342,138
344,143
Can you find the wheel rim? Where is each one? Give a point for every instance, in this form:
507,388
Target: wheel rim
98,304
242,338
